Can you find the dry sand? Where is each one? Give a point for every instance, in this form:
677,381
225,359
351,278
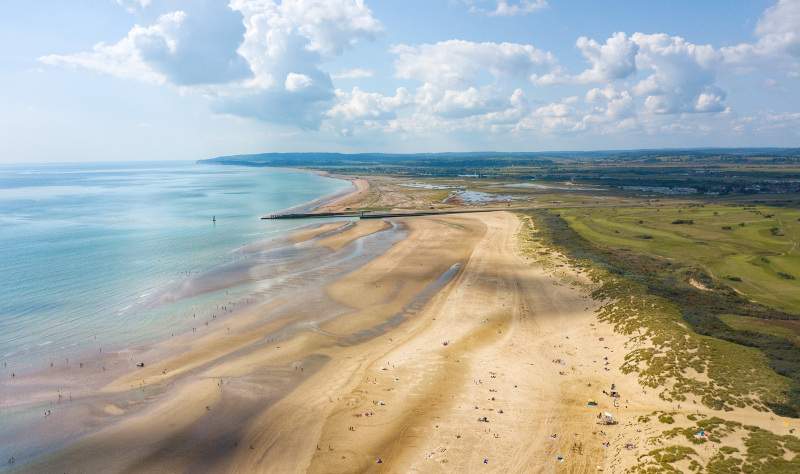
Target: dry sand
381,192
343,203
404,376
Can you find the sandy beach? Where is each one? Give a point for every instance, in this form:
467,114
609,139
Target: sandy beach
448,350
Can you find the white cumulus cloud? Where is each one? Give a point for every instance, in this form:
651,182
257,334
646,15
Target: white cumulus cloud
612,61
251,58
354,110
683,78
471,101
554,118
194,45
506,8
778,45
270,60
458,62
296,82
618,103
126,58
358,104
353,74
521,8
331,25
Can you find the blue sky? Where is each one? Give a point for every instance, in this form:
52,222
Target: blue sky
186,79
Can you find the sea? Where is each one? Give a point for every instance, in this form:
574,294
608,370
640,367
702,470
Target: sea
84,248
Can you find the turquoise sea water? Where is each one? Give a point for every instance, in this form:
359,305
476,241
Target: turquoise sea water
84,246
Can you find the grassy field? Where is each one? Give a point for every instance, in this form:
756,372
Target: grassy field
752,249
786,329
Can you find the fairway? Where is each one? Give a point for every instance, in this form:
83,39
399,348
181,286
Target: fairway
753,249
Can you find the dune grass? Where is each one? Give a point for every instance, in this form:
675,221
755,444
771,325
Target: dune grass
683,348
764,451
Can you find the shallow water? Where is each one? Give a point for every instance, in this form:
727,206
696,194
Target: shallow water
480,199
101,255
275,270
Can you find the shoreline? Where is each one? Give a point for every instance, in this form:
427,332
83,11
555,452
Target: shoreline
393,360
139,299
69,384
473,241
358,186
82,393
187,383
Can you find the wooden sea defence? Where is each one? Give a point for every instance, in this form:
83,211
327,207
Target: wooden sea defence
308,215
369,214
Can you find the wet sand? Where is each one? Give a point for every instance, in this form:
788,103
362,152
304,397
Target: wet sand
301,369
268,285
389,341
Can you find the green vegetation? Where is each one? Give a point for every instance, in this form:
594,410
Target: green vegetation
718,171
724,464
665,458
715,428
764,451
786,329
666,418
737,255
653,299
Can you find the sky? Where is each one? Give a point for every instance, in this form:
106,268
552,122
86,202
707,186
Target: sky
108,80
